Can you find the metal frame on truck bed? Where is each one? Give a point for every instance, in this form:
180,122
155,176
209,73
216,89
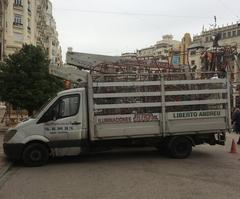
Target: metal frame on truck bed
157,105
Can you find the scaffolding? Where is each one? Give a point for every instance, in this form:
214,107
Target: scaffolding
224,60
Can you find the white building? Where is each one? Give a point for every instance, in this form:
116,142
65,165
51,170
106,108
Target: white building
52,43
195,51
28,22
146,52
165,46
129,55
229,35
161,50
47,31
19,24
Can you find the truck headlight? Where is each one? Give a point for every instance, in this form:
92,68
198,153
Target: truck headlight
9,134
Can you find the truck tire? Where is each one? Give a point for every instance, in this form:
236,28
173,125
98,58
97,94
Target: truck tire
180,147
35,155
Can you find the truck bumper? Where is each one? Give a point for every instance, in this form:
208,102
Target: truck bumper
13,151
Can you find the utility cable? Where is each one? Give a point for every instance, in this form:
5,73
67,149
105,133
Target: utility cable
130,13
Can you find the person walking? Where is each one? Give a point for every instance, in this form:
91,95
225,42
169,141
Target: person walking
236,122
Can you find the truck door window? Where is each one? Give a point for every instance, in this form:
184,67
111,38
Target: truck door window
51,114
69,106
66,106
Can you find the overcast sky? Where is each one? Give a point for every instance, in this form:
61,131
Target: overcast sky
115,26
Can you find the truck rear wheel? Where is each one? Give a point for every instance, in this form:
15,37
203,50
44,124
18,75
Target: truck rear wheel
35,155
180,147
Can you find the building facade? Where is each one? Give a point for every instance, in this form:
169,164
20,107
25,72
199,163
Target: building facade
129,55
31,22
146,52
165,47
194,55
3,5
204,46
161,50
185,43
228,36
47,35
20,24
52,43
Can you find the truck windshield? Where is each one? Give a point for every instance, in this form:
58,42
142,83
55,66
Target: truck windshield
35,114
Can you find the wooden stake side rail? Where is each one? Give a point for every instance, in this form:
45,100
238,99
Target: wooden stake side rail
157,83
167,93
159,104
215,94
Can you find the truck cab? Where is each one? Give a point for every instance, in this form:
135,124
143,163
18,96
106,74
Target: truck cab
60,125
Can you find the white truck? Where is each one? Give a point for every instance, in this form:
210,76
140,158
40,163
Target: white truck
166,111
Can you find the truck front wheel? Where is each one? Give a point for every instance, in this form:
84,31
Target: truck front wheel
180,147
35,155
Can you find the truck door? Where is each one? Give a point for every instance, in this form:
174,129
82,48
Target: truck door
63,120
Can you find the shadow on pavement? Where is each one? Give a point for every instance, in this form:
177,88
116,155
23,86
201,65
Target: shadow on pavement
124,155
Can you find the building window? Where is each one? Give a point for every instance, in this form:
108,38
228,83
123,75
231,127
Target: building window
193,52
238,32
29,6
229,34
17,20
234,33
29,25
224,35
18,2
220,35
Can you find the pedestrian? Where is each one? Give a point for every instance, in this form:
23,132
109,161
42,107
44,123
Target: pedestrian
236,122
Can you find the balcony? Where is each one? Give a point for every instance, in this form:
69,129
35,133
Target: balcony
18,6
18,25
29,12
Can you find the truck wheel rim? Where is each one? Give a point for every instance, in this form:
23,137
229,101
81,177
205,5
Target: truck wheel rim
181,148
35,155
